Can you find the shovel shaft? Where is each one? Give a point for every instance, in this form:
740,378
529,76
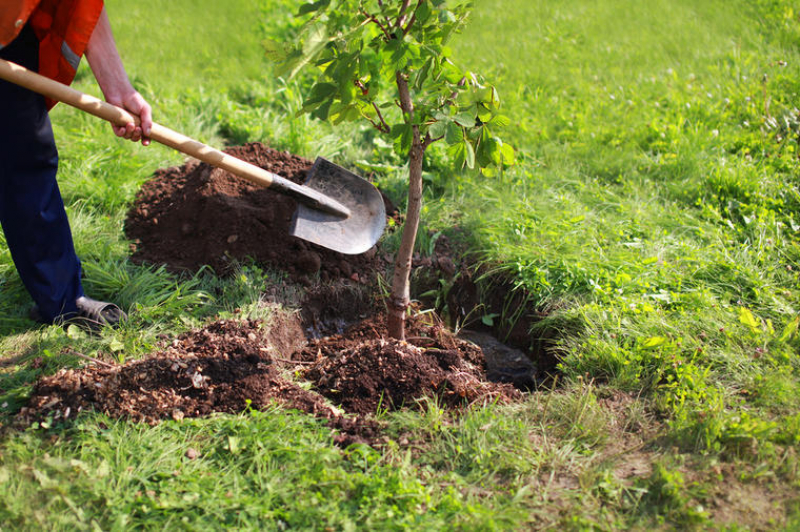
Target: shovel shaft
58,91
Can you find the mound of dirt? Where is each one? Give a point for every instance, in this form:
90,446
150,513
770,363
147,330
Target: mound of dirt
390,374
194,215
221,368
362,371
230,366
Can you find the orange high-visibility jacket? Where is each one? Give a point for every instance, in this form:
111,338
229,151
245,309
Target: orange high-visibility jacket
63,28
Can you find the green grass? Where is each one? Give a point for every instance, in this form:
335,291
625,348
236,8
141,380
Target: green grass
657,205
653,215
261,469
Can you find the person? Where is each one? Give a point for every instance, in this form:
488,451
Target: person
49,37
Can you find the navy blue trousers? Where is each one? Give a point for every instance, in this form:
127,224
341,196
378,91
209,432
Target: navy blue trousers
31,209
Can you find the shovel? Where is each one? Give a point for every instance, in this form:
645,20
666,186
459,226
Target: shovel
336,209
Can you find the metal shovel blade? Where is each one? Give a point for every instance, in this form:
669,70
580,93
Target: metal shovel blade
352,235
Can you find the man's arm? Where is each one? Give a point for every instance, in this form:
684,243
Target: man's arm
107,67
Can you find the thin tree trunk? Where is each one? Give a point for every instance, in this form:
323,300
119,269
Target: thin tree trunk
401,295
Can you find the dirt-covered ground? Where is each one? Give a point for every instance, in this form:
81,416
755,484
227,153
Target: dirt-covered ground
232,365
333,359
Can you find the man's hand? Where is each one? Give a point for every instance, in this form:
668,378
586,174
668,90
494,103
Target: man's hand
136,104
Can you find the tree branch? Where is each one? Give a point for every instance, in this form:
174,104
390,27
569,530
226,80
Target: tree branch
413,19
428,140
405,95
373,18
381,126
401,17
375,124
386,128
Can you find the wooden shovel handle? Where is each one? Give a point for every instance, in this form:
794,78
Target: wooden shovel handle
58,91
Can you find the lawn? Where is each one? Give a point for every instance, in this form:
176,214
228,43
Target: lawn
649,224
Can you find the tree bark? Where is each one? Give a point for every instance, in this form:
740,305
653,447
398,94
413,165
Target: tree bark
400,295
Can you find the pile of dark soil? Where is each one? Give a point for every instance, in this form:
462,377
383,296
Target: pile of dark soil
194,215
230,366
363,371
225,367
220,368
390,374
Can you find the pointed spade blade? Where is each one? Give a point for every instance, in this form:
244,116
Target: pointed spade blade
352,235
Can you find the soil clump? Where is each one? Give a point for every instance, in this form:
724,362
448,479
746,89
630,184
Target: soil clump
230,366
364,372
223,367
193,215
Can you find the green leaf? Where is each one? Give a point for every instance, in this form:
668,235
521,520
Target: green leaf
343,112
422,76
746,318
312,7
470,155
75,332
320,92
349,92
458,152
654,341
437,129
488,319
484,113
488,151
464,119
423,13
315,38
451,73
405,140
398,59
453,134
398,130
315,41
274,50
489,97
508,154
321,113
489,172
500,121
402,135
115,345
233,444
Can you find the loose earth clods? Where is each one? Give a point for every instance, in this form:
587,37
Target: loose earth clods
228,366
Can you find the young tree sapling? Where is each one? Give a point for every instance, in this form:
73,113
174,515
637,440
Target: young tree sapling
387,62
